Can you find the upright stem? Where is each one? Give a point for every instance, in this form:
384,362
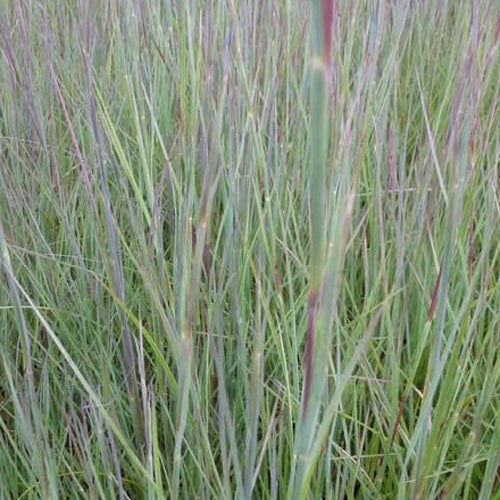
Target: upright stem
317,187
316,342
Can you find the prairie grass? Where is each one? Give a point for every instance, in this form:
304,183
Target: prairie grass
188,188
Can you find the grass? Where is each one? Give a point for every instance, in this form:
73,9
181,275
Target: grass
236,265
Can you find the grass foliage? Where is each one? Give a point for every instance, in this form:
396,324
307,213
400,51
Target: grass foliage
161,184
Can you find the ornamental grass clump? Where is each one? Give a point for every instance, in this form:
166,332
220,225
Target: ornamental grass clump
249,249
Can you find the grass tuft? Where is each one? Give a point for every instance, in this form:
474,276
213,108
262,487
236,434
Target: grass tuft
249,249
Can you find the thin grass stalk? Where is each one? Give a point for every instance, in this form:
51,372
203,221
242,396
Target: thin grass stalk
316,347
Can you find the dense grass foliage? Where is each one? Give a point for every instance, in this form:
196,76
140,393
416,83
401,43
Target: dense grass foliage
155,253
